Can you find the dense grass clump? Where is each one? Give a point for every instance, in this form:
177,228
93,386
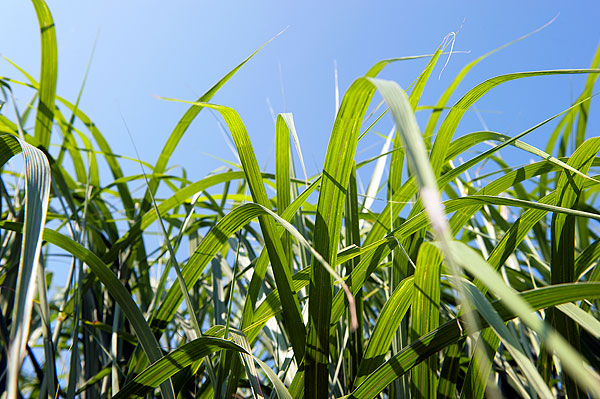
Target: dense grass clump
457,286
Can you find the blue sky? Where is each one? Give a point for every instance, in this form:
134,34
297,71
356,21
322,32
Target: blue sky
179,49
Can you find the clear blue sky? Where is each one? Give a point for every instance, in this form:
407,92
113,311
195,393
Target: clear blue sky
180,48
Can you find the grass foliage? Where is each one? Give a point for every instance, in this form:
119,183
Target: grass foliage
290,287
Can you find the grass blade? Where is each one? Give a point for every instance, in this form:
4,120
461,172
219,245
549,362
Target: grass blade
282,174
328,223
48,74
386,326
568,189
37,191
426,316
353,237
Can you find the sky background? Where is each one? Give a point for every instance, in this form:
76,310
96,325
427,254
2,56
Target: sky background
181,48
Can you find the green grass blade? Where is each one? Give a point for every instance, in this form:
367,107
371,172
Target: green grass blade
70,144
416,152
280,389
382,226
240,339
336,174
71,122
49,383
353,237
417,91
385,255
425,316
464,204
449,373
282,173
379,249
9,147
479,368
488,199
386,326
500,185
292,128
241,216
586,259
581,317
191,306
478,372
299,281
48,74
37,190
568,189
505,141
211,244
